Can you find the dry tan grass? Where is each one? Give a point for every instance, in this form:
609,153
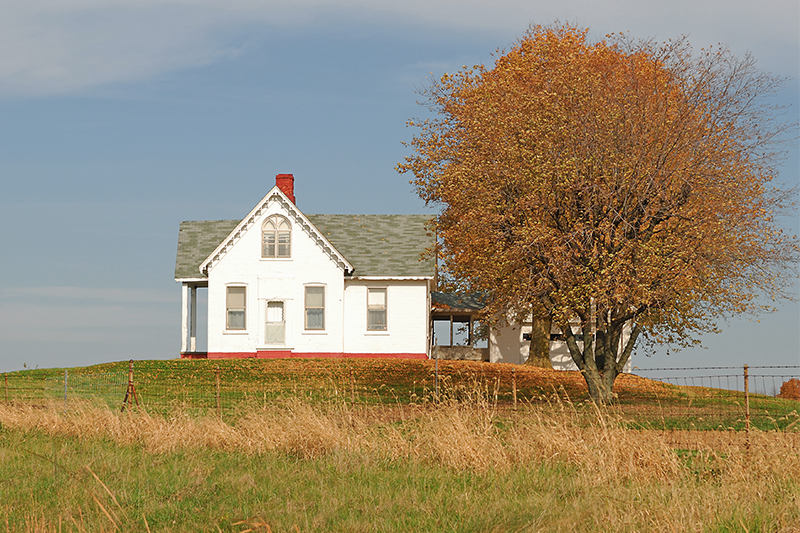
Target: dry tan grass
456,435
719,473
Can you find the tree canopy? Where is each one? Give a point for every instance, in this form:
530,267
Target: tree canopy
608,183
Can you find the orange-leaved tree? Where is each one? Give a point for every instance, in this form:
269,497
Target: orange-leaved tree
622,190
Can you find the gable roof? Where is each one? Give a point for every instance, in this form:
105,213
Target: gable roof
375,245
299,220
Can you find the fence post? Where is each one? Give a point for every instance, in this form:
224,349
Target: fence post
219,405
747,403
352,387
131,391
6,376
436,377
66,373
514,385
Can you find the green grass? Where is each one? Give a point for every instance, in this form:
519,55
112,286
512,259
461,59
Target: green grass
164,385
361,445
48,483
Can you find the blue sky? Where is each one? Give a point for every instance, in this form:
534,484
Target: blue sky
122,118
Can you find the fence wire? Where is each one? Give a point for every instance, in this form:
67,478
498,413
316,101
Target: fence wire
677,402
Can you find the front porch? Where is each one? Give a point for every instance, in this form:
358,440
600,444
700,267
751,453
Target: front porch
189,319
454,327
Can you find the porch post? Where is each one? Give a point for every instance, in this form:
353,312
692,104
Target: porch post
451,330
193,321
184,317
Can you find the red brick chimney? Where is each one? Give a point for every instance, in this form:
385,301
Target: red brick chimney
285,183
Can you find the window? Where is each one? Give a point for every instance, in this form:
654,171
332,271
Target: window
376,309
276,237
276,323
315,307
235,307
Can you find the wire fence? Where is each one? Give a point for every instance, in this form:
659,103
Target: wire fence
766,380
103,387
681,401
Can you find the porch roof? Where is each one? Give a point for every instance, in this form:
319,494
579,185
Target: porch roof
461,302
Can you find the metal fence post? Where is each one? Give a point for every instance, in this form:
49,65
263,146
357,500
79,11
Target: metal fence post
747,403
436,378
352,387
514,386
219,405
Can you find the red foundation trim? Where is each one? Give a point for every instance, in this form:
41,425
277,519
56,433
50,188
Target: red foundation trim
194,355
386,355
312,355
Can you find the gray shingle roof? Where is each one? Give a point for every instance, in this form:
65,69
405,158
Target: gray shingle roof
380,245
458,301
196,240
376,245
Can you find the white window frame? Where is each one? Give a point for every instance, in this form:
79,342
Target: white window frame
306,307
377,308
229,309
277,234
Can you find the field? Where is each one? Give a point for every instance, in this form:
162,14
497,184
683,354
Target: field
365,446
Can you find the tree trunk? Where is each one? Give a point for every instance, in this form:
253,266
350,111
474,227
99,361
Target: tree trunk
539,353
600,385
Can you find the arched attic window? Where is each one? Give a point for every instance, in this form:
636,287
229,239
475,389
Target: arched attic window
276,237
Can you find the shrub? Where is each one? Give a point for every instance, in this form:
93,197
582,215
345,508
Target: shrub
790,390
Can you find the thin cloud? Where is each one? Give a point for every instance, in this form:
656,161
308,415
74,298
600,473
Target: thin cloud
83,322
84,294
67,46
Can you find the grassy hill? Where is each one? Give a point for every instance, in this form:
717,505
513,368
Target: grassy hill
162,385
363,445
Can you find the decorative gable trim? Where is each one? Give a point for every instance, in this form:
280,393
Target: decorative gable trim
275,195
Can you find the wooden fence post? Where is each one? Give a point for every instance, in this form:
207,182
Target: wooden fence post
130,393
352,387
6,376
219,404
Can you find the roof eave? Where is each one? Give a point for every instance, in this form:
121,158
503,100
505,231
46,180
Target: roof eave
391,278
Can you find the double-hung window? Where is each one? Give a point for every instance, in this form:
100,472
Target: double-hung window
235,307
276,237
315,308
376,309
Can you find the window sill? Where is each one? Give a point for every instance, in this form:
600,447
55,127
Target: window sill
377,334
314,332
235,332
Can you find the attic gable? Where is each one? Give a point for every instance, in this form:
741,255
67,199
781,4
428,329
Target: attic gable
298,218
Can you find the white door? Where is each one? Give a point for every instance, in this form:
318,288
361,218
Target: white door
276,324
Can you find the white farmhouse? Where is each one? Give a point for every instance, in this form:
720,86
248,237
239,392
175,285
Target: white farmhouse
282,283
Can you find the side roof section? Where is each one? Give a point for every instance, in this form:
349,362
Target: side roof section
196,240
380,246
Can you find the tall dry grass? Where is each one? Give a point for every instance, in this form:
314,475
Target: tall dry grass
459,435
